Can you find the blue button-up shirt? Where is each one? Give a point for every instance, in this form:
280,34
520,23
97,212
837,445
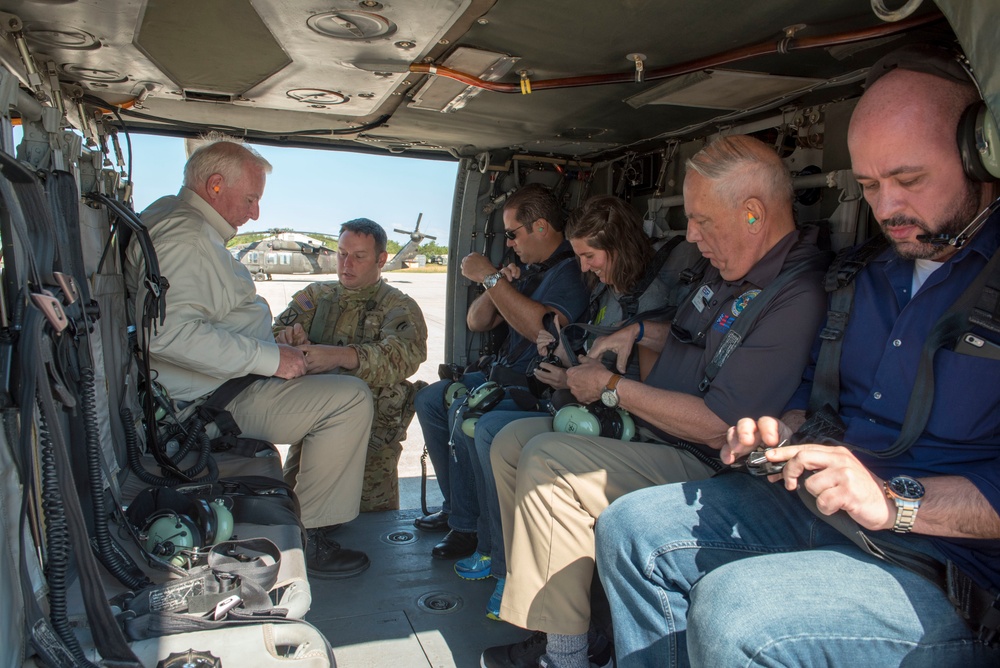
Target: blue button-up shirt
881,354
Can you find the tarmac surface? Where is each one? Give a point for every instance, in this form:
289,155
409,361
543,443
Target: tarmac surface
428,289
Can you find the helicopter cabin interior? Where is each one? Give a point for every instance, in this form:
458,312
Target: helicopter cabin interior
587,97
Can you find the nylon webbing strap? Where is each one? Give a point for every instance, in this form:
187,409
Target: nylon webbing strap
214,408
527,285
31,204
64,202
976,605
253,564
840,282
734,337
986,312
245,559
156,284
630,302
108,638
945,331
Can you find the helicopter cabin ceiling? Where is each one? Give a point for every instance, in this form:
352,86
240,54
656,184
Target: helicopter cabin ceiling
453,78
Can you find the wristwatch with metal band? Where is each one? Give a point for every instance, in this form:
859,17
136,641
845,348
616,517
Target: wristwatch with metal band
907,493
491,280
609,396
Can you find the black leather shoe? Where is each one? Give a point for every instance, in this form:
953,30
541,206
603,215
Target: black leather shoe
455,545
434,522
326,559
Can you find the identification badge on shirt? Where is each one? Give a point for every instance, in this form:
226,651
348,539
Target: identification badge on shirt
702,297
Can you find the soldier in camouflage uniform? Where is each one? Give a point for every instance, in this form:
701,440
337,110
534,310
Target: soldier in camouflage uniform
362,326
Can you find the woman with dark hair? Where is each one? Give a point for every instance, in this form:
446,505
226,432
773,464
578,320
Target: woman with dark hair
607,235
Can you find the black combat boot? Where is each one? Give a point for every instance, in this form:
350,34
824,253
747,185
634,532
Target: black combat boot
326,559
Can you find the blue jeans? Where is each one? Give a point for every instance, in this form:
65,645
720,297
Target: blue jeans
455,471
486,429
736,571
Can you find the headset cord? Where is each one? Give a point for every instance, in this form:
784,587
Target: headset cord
134,455
57,543
107,552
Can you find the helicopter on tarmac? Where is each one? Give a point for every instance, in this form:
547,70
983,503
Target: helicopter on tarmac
278,254
408,251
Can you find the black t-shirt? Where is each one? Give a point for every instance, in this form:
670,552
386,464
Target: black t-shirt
762,374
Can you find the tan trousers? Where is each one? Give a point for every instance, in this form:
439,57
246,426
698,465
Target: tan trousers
552,488
327,420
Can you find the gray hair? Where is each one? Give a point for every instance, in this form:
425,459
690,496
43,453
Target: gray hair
742,167
369,227
223,155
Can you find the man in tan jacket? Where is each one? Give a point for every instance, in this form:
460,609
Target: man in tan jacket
217,328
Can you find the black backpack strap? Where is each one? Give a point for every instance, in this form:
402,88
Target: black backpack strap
840,282
736,334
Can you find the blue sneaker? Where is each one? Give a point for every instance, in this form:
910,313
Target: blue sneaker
476,567
493,606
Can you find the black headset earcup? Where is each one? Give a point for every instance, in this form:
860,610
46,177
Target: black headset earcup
205,521
978,139
612,425
485,397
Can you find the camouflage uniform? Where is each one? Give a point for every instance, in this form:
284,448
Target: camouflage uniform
387,330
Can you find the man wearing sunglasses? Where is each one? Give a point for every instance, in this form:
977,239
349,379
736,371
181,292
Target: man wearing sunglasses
546,278
552,487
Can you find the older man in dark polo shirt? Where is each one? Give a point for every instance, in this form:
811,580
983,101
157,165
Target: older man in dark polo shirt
553,486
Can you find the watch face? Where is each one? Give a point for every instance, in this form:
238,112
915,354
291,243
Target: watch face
906,487
609,398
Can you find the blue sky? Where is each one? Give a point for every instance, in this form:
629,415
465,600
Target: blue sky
315,191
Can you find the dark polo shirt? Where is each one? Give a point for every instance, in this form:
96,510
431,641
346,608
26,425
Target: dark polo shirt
761,375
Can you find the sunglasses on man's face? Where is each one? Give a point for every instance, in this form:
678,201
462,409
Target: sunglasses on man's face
512,234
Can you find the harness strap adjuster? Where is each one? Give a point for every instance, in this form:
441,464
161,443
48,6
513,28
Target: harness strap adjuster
68,287
51,309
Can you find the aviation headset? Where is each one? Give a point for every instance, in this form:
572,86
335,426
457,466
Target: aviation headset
594,420
978,136
480,401
453,392
169,532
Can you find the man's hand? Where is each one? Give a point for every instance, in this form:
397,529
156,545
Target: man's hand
292,336
291,364
476,267
838,481
620,343
587,380
551,375
322,359
511,272
748,434
543,339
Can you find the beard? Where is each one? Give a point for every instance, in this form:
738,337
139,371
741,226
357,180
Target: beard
964,208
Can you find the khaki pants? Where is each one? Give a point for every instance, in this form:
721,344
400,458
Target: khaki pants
552,488
327,419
